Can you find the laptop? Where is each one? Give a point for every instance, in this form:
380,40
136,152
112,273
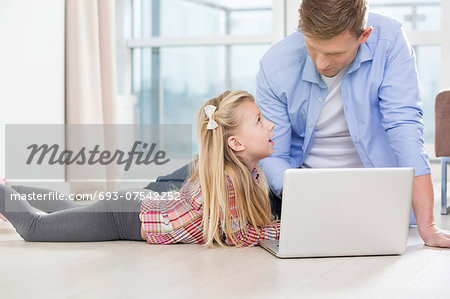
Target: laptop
344,212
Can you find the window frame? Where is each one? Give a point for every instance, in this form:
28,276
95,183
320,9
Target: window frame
285,17
125,37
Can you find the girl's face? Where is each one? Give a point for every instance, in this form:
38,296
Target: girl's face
252,138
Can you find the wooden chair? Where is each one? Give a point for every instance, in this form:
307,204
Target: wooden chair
442,141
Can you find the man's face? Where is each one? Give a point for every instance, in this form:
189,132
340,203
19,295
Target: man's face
332,55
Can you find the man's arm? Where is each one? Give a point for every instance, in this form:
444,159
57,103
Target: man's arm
401,110
274,109
423,210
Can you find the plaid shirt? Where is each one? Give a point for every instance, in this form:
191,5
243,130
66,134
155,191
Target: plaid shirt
180,221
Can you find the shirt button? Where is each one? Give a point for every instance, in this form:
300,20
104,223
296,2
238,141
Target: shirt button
320,99
309,125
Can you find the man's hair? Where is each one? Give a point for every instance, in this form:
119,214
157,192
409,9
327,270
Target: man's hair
324,19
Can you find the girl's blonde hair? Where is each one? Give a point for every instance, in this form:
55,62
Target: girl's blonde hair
216,160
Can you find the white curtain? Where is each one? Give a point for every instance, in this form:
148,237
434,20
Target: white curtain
90,83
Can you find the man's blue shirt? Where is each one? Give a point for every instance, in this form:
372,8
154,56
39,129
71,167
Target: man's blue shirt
380,94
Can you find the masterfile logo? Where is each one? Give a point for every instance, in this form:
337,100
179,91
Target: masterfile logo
49,152
91,157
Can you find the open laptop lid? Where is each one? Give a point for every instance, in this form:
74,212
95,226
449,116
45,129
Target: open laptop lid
345,212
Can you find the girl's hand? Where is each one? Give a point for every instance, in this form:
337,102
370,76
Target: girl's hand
3,218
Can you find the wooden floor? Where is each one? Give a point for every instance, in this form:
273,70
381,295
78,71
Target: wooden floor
127,269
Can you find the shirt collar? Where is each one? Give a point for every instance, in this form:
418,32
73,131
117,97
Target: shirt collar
364,54
310,73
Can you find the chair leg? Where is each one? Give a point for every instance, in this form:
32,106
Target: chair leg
444,208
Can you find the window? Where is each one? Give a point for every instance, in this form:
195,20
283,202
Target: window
183,52
175,54
414,14
421,20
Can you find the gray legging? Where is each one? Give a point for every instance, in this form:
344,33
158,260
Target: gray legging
68,221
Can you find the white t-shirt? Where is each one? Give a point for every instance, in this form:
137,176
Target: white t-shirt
333,146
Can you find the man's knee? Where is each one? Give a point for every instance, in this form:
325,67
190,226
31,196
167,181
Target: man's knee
170,182
275,204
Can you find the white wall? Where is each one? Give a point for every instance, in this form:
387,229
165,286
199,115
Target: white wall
31,64
445,49
292,15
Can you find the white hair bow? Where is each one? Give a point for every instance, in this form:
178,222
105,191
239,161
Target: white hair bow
209,110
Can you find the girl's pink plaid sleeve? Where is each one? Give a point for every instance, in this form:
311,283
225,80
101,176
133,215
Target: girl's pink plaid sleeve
248,235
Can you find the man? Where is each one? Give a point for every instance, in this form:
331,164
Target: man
344,92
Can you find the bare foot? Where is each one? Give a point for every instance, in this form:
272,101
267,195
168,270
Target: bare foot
4,182
3,218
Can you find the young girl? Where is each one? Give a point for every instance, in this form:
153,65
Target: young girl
225,200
